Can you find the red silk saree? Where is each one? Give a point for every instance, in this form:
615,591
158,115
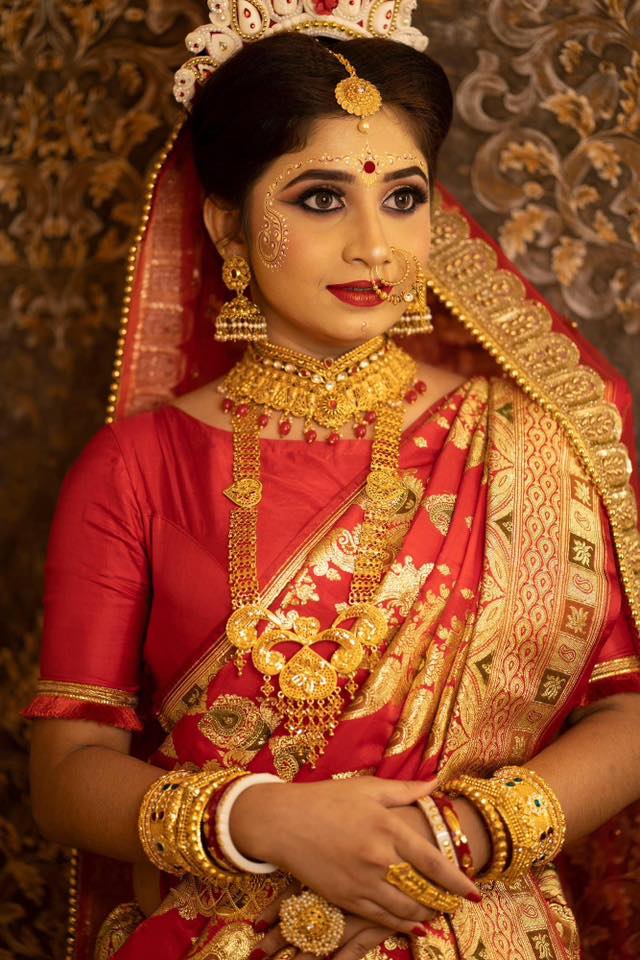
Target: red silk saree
511,591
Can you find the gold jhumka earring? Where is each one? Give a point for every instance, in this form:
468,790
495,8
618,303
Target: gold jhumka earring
417,315
239,319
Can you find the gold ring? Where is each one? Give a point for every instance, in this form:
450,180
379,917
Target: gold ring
311,923
427,894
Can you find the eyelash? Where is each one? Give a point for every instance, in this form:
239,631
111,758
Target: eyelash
419,197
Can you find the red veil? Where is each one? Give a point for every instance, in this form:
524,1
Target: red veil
487,319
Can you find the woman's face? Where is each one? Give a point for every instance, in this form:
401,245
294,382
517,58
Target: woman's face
320,220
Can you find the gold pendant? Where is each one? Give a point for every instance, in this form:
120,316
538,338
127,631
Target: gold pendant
309,699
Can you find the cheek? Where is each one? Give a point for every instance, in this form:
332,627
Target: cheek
272,237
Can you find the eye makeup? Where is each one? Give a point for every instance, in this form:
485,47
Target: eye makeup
369,168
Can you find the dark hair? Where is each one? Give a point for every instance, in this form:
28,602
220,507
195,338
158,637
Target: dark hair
261,103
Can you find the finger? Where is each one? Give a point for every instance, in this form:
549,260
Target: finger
360,944
269,915
289,953
378,915
401,793
427,860
353,928
271,943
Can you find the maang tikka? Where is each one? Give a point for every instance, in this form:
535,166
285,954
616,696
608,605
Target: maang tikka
240,318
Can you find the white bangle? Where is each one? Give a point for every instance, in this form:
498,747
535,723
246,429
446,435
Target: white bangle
223,816
439,828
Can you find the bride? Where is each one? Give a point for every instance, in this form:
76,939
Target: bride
341,646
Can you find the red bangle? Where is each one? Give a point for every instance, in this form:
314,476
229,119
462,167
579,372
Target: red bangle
458,836
209,831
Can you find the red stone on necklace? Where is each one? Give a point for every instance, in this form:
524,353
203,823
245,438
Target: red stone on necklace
284,427
263,419
242,409
227,405
333,438
310,436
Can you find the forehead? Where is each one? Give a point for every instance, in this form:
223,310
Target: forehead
336,142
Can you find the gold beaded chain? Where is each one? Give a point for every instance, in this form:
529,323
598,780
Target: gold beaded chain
309,700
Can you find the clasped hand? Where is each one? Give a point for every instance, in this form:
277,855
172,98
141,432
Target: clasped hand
339,838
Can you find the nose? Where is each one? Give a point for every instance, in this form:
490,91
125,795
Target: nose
367,243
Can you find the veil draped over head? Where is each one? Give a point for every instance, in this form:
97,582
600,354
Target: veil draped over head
488,319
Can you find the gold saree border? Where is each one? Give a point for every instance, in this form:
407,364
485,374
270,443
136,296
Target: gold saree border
615,668
86,693
133,258
491,303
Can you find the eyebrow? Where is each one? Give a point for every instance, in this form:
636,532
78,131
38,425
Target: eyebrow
341,176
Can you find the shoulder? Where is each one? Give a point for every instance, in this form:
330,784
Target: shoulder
203,404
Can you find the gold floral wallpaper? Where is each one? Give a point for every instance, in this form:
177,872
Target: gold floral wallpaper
545,152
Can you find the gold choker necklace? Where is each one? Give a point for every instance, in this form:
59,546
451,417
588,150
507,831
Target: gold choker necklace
371,380
325,393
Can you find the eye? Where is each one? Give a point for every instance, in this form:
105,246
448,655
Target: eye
321,200
405,199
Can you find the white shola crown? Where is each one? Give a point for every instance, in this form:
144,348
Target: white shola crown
235,22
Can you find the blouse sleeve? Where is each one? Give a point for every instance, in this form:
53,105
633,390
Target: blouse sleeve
97,594
617,669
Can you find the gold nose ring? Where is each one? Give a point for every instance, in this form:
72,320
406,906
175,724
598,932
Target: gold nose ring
393,283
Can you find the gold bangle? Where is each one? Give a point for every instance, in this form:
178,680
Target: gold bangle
530,811
156,822
170,824
409,881
197,794
472,789
438,826
546,817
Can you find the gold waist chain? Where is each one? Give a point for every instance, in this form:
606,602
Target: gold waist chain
309,699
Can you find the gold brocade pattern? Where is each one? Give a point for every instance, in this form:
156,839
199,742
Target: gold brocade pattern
233,942
62,313
491,303
116,930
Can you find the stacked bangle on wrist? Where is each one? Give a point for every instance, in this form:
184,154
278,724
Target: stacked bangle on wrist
466,787
523,816
459,840
442,836
175,830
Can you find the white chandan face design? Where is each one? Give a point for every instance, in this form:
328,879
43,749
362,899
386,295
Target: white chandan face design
322,220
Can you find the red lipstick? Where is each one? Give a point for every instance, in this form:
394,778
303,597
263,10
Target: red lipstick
357,293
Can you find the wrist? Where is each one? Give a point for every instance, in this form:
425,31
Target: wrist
255,821
476,832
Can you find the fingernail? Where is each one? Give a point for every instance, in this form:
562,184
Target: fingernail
419,931
474,897
258,954
261,926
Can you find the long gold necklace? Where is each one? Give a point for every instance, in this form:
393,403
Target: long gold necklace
366,386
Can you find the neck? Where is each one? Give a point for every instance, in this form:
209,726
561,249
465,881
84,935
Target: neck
318,350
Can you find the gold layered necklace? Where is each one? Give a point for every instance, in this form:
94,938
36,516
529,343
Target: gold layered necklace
366,386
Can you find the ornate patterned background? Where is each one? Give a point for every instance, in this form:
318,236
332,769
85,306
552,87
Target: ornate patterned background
545,153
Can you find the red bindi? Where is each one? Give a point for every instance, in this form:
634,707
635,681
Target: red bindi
369,166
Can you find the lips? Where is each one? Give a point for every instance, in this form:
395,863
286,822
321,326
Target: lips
357,293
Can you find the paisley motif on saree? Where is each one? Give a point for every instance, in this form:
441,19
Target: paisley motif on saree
497,600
